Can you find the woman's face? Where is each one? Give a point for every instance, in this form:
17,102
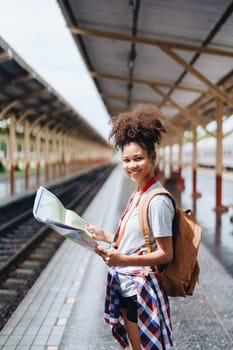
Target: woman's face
137,164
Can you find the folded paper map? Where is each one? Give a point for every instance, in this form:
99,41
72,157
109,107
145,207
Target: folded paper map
49,210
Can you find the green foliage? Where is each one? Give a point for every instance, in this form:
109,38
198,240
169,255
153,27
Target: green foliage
2,168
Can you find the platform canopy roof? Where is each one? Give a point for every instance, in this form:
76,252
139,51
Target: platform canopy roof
29,98
176,54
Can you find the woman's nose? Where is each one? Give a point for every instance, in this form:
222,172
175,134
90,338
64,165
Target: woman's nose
132,164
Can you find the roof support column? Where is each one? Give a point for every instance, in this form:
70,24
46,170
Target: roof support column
73,155
60,154
67,154
46,156
54,147
26,154
166,150
180,180
195,193
218,168
171,160
38,157
161,164
12,150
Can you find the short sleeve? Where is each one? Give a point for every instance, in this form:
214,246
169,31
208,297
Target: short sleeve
161,214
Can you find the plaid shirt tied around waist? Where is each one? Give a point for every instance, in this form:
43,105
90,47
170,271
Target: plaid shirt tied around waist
154,320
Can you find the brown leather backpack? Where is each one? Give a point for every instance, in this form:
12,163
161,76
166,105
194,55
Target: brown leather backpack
180,276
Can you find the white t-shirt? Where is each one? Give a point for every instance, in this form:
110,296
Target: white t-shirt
161,213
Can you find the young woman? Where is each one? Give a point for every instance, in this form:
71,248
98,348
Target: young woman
136,305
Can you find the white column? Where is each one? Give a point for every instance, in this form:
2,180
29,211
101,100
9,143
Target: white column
12,152
218,168
195,193
26,152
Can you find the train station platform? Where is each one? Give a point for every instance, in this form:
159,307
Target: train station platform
64,308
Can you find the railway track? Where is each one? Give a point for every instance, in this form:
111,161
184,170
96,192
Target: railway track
26,246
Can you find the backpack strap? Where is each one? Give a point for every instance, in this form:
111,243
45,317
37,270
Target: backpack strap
143,213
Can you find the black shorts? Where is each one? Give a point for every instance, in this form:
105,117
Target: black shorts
130,304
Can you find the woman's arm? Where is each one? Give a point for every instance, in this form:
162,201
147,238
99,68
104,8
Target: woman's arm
162,255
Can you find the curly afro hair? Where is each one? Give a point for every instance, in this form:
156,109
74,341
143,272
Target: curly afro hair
141,125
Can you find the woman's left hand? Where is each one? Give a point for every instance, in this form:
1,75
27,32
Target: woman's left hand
112,257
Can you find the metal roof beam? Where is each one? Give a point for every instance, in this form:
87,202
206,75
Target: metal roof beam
207,41
46,126
182,110
24,116
95,74
125,99
169,123
15,81
38,120
189,111
165,47
7,108
134,100
149,41
29,111
117,109
36,93
213,88
4,56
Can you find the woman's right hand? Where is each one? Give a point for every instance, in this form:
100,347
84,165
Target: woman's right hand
99,234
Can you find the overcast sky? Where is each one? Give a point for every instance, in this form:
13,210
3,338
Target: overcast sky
37,31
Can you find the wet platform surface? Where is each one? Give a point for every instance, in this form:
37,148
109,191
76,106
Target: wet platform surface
64,309
217,227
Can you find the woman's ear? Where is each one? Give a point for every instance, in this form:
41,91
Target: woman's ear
153,157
